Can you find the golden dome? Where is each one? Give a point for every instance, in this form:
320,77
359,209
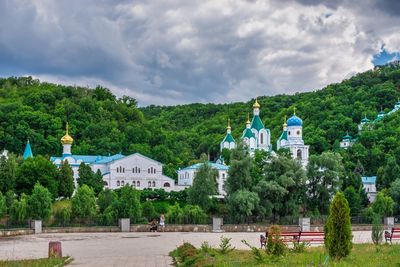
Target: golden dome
67,139
229,125
248,118
256,105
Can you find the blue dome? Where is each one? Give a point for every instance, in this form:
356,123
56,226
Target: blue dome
294,121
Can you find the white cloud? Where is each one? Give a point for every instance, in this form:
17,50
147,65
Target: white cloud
169,52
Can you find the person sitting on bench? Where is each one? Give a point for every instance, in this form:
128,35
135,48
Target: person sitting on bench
153,225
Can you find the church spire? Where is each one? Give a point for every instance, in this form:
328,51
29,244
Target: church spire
28,151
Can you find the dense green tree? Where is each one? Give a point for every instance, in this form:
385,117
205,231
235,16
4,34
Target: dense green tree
37,169
204,186
354,200
65,180
39,203
106,199
282,188
323,173
239,171
395,194
8,169
84,204
3,205
242,204
10,196
338,236
89,178
383,205
129,204
391,173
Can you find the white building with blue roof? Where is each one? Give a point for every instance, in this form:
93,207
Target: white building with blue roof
292,139
186,175
369,185
118,170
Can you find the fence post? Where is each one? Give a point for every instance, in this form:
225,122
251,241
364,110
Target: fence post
36,225
124,224
217,223
389,222
304,224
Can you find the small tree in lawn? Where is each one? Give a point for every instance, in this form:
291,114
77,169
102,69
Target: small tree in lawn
84,204
338,237
39,203
377,230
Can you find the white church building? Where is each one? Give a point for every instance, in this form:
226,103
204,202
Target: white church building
118,170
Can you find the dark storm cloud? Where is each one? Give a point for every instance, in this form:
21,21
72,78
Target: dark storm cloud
168,52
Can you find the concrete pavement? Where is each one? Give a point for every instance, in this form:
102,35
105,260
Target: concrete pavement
124,249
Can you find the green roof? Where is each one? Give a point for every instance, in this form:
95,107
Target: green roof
228,138
284,136
248,133
347,137
256,123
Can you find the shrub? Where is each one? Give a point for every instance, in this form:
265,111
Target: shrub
377,230
225,247
18,211
62,215
109,216
175,214
338,237
184,255
300,247
3,205
257,253
275,245
148,211
194,214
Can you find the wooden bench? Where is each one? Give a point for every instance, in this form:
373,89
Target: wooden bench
393,234
300,237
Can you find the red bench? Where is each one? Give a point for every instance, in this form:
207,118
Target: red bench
300,237
394,234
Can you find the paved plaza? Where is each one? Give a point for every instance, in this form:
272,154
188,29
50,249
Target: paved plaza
123,249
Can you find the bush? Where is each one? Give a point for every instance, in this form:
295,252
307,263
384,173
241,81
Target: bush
148,211
18,211
62,212
275,245
338,237
257,253
175,214
377,230
300,247
3,205
109,216
184,255
194,214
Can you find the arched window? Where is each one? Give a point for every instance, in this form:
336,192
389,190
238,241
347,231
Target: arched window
261,138
223,176
138,170
105,183
149,184
289,132
134,183
118,184
138,184
117,170
299,154
123,183
154,184
148,170
166,185
123,170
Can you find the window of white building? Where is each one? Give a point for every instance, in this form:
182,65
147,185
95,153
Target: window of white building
118,184
123,183
149,184
154,184
138,184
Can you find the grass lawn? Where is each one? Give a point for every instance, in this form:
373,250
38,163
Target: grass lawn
37,262
361,255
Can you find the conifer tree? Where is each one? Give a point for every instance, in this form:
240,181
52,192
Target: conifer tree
65,180
338,236
89,178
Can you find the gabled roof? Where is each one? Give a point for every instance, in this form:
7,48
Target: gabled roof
213,165
256,123
91,159
368,180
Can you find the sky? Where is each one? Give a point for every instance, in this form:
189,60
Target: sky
178,51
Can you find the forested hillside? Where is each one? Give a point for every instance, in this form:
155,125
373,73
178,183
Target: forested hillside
176,135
